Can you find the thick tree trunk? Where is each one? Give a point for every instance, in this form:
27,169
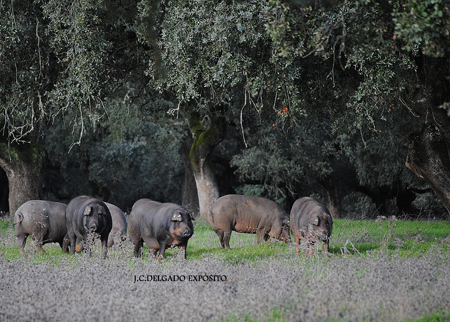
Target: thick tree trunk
189,194
429,149
333,202
24,167
205,139
428,157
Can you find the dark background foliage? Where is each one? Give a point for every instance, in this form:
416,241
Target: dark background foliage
319,98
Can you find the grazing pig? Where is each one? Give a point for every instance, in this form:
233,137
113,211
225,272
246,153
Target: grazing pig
159,225
247,214
119,225
84,216
45,221
311,221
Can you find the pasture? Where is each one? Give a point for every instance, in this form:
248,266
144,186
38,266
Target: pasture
385,270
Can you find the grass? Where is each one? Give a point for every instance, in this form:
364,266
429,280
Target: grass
434,318
407,238
4,226
379,270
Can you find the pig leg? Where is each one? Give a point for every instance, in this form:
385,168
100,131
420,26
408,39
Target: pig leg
297,246
297,242
79,245
226,238
65,244
262,231
104,239
260,235
22,239
152,246
138,248
39,247
39,242
71,237
110,240
219,233
154,252
183,250
326,247
162,250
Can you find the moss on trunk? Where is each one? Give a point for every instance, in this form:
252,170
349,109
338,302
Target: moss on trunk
204,141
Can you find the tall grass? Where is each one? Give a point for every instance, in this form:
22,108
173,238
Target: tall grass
379,271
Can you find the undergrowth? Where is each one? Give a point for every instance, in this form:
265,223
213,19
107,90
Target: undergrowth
384,270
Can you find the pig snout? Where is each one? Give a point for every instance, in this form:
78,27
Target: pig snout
186,232
322,235
285,238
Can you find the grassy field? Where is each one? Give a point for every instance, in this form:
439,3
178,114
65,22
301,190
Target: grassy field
384,270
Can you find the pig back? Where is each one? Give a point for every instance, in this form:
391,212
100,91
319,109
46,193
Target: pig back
119,222
304,209
152,219
42,217
140,220
57,220
244,213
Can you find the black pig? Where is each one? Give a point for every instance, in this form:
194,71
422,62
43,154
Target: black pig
44,220
310,222
86,215
159,225
248,214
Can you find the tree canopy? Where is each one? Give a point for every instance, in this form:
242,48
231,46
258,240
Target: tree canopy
323,98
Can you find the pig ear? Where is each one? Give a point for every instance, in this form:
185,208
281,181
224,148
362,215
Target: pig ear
177,217
87,211
101,210
190,215
315,221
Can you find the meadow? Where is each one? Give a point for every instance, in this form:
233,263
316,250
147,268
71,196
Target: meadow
383,270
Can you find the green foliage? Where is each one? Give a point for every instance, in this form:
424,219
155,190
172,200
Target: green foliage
423,24
218,53
23,66
63,58
127,156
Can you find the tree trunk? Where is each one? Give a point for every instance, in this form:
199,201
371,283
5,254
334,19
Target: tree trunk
24,167
205,139
429,149
428,157
333,202
189,194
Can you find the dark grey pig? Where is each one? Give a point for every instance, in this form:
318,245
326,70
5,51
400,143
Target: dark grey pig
248,214
44,220
86,215
311,222
119,225
159,225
